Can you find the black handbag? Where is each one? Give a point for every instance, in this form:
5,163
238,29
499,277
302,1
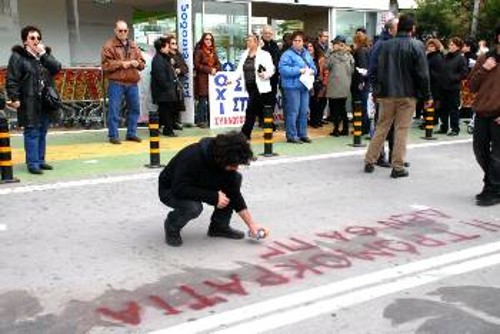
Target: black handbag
50,98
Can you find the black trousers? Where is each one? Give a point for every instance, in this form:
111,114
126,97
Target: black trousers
339,114
185,210
167,111
448,111
255,108
486,144
317,107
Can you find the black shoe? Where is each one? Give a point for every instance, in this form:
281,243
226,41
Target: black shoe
383,163
115,141
452,133
178,126
169,134
489,199
306,140
225,232
484,193
36,171
369,168
172,235
46,167
134,138
335,133
294,141
399,173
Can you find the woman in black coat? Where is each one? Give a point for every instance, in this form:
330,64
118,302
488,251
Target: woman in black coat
31,67
164,85
436,62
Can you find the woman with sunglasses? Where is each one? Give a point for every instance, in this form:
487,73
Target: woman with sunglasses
206,62
181,69
31,68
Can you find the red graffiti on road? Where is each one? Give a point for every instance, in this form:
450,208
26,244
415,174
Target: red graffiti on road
286,261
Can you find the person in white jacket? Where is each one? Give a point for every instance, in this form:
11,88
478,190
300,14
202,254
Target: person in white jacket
255,70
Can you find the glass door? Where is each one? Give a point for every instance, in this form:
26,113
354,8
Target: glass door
229,23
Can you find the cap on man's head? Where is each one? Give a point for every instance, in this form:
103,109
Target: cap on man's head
339,39
361,29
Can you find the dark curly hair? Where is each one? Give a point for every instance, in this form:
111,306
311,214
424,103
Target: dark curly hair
231,149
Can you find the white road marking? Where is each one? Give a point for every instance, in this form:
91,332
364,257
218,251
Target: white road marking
360,296
3,227
423,269
259,163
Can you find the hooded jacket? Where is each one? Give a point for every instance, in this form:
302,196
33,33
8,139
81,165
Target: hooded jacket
193,175
25,74
340,65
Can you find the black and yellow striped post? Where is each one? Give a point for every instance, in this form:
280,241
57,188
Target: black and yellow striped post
7,172
429,123
357,122
268,132
154,141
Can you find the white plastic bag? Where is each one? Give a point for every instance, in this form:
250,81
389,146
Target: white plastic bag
371,107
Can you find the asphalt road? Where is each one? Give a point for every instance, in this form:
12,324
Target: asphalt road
349,252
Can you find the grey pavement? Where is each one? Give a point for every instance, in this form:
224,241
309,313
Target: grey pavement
92,259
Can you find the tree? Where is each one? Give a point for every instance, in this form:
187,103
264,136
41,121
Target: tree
446,18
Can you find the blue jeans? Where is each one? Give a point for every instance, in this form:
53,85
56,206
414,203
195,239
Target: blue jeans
35,142
297,106
115,95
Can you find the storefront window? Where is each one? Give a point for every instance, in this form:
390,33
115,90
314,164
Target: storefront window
348,22
228,22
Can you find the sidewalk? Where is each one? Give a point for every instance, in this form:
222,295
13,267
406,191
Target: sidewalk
87,153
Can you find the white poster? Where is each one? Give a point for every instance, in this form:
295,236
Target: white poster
185,44
228,103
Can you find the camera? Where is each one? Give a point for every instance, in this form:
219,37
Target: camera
261,69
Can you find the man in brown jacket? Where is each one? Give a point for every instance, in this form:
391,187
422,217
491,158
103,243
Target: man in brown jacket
485,81
121,60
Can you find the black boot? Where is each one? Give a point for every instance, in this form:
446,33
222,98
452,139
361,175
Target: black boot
172,235
217,230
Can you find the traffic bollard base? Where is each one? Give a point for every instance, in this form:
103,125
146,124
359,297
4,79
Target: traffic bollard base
154,166
268,155
14,180
357,145
429,138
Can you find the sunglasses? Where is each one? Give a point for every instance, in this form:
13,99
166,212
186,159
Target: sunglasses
122,30
35,38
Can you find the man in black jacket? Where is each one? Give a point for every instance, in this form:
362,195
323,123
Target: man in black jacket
402,75
207,172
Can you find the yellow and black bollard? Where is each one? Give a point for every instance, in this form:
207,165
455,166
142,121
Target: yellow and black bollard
357,122
429,123
6,154
154,141
268,132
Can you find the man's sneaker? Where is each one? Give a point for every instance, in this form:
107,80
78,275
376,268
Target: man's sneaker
225,232
489,199
399,173
452,133
172,235
369,168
